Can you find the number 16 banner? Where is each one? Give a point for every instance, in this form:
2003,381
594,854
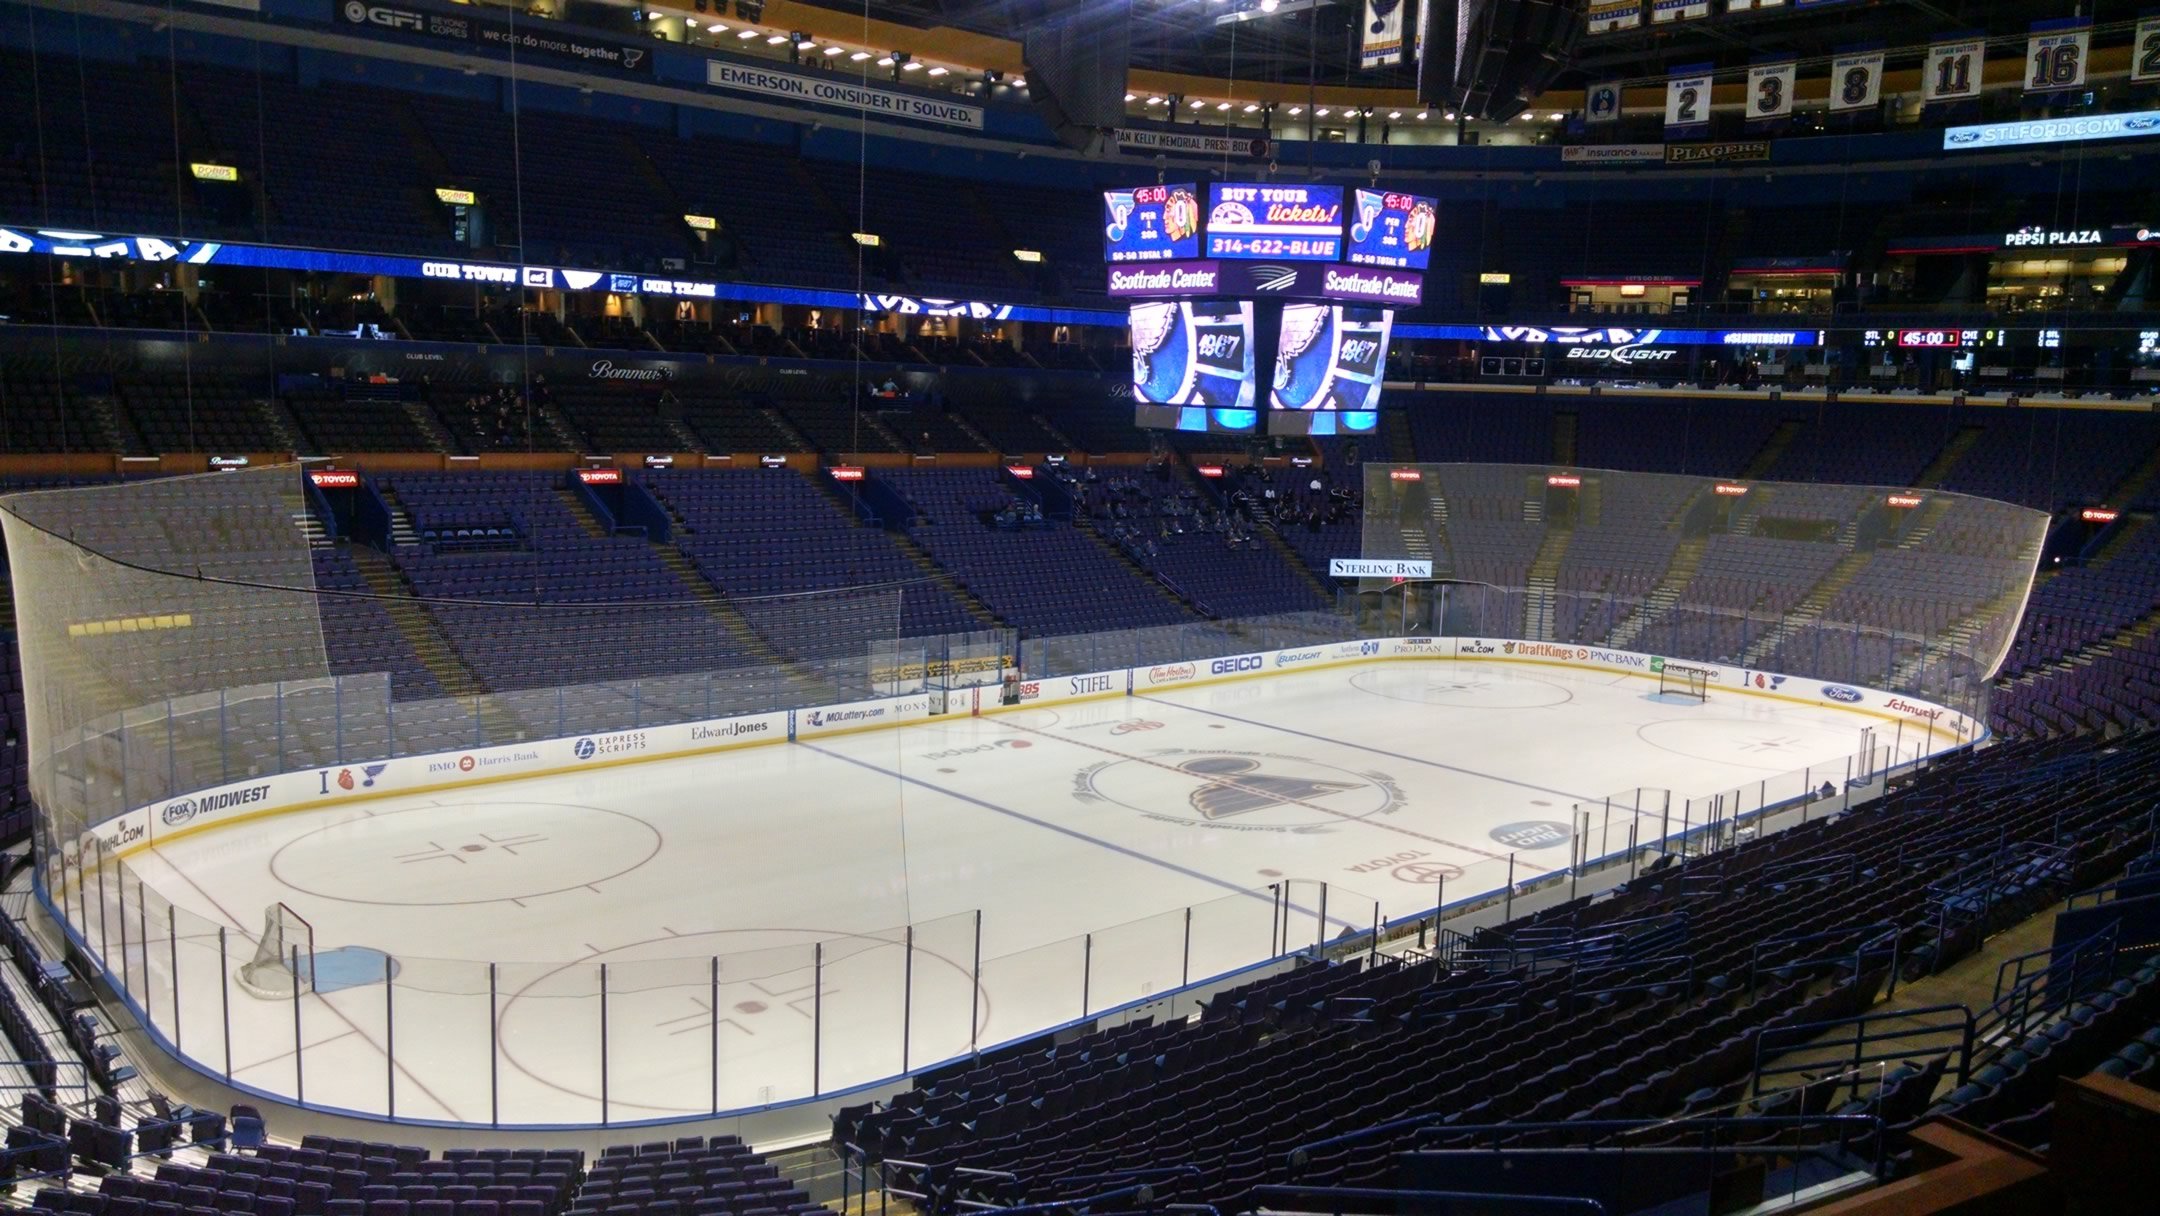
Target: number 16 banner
2055,54
1687,97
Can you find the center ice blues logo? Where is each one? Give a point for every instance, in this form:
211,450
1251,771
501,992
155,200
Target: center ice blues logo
1239,791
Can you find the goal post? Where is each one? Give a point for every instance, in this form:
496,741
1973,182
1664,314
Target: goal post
1684,681
284,961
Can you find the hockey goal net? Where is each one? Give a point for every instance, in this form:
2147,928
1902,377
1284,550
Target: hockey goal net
284,961
1682,681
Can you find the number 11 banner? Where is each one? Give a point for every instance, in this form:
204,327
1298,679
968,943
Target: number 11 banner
1687,98
1953,70
2055,54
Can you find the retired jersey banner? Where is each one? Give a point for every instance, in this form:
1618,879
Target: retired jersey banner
1952,72
1856,81
1743,6
1601,103
1770,89
1687,98
1663,12
2145,51
1605,16
2055,55
1383,33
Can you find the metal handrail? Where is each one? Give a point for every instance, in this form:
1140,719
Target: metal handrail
1570,1202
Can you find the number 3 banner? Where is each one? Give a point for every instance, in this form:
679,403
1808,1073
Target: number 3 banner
2055,55
1856,81
1687,98
1953,70
2145,51
1770,90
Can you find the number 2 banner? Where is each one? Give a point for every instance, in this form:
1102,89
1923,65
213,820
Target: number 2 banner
1856,81
1953,70
1687,98
2055,55
2145,51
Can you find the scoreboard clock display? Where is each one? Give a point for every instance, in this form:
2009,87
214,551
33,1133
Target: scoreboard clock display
1151,223
1390,229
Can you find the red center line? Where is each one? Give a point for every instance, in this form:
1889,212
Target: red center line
1003,720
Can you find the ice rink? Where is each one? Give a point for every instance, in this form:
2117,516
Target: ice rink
703,884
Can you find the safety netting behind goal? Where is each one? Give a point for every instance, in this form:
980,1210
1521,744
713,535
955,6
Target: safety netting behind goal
1919,591
158,621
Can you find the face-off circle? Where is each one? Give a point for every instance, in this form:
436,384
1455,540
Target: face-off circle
472,853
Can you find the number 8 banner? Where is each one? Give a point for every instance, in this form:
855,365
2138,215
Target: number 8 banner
2055,55
1856,81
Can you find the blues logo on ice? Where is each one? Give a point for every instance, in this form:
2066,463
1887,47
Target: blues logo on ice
1240,791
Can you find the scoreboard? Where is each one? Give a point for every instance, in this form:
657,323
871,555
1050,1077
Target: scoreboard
1390,229
1270,281
1151,224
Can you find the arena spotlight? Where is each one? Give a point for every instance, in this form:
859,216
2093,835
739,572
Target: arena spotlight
909,65
777,39
858,56
747,35
940,71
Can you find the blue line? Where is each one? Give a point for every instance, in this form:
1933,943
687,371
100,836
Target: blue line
1135,854
1377,751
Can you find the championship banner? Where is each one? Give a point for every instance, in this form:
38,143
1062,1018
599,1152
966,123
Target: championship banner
1605,16
1687,97
1383,33
1744,6
1601,103
1664,12
1770,90
2055,55
2145,51
1953,70
1856,81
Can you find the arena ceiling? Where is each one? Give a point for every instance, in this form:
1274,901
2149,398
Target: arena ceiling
1317,40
